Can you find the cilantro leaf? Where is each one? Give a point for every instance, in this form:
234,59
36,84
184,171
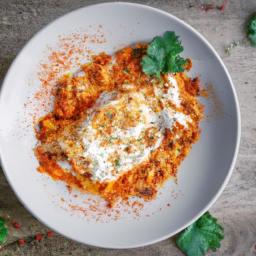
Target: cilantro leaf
162,55
201,236
150,66
176,64
3,231
251,30
172,43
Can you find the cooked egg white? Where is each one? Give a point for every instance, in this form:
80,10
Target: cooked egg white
123,128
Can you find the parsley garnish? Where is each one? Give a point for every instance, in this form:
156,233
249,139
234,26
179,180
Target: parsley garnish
163,55
3,231
109,115
112,138
117,162
251,30
201,236
126,71
95,163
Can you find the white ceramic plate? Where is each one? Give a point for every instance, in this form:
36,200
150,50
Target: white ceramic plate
202,176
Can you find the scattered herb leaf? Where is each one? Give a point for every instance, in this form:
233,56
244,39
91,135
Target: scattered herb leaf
251,30
126,71
95,163
112,138
201,236
163,55
3,231
231,46
109,115
117,162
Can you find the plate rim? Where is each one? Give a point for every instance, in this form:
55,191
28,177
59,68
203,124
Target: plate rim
238,128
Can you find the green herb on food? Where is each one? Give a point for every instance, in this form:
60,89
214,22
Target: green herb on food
126,71
111,139
163,55
250,33
251,30
201,236
95,163
109,115
3,231
117,162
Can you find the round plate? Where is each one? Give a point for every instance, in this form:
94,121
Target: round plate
201,177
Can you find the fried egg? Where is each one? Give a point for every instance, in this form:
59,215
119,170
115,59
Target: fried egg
123,128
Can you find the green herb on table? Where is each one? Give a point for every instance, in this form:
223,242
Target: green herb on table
250,33
3,231
109,115
228,48
201,236
251,30
163,55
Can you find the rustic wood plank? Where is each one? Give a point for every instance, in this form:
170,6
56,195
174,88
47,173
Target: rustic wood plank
236,208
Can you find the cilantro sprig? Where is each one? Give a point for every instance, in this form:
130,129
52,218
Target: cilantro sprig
163,55
251,30
201,236
3,231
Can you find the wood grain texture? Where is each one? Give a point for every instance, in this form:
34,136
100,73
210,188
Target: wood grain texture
236,208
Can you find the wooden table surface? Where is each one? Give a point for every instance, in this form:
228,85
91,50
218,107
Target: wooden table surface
236,207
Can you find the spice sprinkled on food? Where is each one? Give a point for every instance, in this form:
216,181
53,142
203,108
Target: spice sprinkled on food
114,118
